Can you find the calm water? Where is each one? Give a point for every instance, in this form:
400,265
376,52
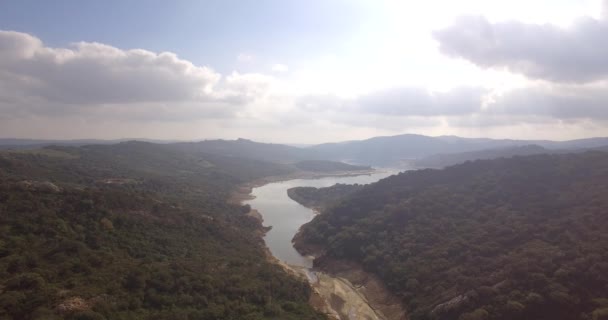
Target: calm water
286,216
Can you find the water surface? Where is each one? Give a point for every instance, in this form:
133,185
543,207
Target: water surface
286,216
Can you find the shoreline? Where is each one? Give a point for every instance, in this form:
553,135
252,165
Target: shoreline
243,191
335,295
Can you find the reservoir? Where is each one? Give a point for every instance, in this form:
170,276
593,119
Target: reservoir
286,216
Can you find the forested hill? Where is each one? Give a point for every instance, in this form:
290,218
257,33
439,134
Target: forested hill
392,150
319,198
520,238
449,159
248,149
328,166
136,231
376,151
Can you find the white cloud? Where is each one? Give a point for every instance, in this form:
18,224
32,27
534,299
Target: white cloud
400,101
573,54
563,102
95,79
108,92
91,73
247,87
280,68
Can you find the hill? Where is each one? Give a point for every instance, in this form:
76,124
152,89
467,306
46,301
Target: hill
319,198
520,238
399,150
136,231
392,150
449,159
328,166
247,149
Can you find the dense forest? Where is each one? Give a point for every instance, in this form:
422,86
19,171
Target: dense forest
328,166
318,198
136,231
449,159
519,238
409,149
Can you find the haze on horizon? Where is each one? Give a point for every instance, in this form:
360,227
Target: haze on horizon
303,72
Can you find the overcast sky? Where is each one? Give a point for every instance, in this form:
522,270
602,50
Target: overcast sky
303,71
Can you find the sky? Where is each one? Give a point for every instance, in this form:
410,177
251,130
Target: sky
303,71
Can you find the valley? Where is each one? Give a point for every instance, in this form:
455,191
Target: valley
333,293
203,233
303,160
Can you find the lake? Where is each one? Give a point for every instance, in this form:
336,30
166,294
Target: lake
286,216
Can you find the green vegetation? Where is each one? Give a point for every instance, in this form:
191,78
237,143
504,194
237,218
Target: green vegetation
327,166
248,149
136,231
319,198
450,159
522,238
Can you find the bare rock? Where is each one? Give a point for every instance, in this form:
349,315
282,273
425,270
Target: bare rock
38,186
72,305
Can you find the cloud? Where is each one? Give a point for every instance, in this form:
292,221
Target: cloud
280,68
90,73
574,54
322,103
462,107
413,101
93,78
243,88
563,102
400,101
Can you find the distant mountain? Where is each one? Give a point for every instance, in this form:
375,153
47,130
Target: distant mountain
393,150
243,148
589,143
449,159
377,151
381,150
327,166
39,143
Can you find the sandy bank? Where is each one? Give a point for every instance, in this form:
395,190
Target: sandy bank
335,295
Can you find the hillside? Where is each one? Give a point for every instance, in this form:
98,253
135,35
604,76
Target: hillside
136,231
247,149
328,166
318,198
392,150
449,159
406,149
521,238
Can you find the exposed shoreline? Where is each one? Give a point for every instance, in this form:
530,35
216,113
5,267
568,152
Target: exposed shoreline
243,191
338,295
384,304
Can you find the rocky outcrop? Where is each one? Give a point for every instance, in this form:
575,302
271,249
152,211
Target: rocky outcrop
73,305
38,186
378,297
450,305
